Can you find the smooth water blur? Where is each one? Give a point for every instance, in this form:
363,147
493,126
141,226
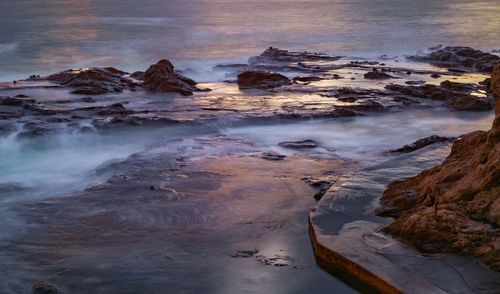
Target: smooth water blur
46,36
67,162
367,138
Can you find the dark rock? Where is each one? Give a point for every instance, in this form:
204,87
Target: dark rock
261,80
277,55
420,82
44,288
304,144
244,253
454,99
377,75
272,156
306,79
461,56
435,76
162,77
422,143
15,101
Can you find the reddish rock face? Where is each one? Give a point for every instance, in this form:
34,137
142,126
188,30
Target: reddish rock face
162,77
495,81
261,80
456,206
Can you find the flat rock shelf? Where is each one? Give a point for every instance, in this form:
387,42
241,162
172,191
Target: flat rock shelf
347,237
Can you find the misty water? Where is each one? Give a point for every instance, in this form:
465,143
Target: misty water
70,161
47,36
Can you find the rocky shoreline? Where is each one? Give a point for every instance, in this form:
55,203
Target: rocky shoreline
193,184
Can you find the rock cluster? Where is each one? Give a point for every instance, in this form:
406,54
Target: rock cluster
456,206
455,95
461,56
93,81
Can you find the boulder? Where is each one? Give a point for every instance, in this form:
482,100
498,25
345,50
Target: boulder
461,56
261,80
161,77
454,207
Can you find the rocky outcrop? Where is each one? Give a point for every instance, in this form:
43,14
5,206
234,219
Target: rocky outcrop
261,80
93,81
278,55
461,56
456,206
455,95
161,77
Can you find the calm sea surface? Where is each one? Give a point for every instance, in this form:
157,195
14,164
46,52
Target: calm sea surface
42,36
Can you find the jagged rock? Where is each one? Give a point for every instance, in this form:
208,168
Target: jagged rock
299,144
261,80
421,143
162,77
93,81
454,99
461,56
455,206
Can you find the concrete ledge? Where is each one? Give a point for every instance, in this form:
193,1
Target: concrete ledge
351,272
348,242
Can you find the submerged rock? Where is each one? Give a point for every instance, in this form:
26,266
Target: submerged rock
261,80
44,288
461,56
162,77
377,75
421,143
94,80
455,206
272,156
304,144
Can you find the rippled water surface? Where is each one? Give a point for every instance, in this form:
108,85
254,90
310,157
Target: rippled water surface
44,36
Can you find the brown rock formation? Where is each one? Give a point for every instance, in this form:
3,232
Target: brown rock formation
261,80
456,206
94,80
162,77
